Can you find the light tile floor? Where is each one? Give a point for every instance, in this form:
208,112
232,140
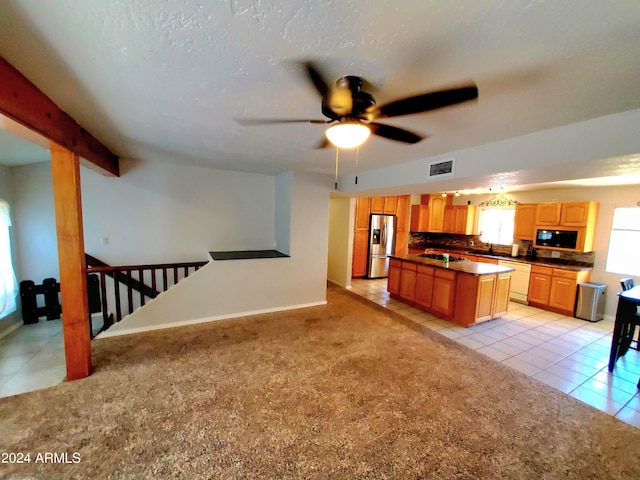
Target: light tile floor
32,357
569,354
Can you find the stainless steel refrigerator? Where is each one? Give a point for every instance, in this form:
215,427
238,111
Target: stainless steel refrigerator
382,242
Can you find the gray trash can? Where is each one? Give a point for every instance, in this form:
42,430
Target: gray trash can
590,301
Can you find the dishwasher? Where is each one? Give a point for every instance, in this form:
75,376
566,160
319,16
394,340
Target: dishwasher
519,280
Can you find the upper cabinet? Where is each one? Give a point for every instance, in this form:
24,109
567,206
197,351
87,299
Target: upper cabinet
390,205
377,204
402,212
459,219
436,212
525,221
362,213
548,214
578,214
429,215
419,218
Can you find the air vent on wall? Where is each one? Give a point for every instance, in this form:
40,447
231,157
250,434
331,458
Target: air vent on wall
441,168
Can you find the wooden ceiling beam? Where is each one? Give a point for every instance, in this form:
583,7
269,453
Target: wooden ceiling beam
23,102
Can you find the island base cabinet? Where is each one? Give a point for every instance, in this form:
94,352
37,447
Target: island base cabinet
463,298
444,293
503,295
481,298
424,286
393,277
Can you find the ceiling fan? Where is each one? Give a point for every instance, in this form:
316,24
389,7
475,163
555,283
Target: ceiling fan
352,111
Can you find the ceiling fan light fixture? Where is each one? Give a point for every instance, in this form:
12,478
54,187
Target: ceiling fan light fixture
348,134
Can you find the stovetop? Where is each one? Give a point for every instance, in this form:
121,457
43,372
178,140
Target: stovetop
439,256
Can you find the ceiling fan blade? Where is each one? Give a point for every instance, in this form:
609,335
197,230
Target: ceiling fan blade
324,143
424,102
247,122
394,133
316,78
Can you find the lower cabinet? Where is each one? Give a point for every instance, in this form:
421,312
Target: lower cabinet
491,295
464,298
540,284
424,286
444,292
393,278
503,294
360,253
408,281
555,289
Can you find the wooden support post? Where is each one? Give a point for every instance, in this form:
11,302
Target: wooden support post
65,169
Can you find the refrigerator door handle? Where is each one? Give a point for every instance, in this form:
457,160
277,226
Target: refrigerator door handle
384,236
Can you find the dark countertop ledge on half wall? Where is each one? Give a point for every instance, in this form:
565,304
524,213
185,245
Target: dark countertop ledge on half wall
464,266
246,254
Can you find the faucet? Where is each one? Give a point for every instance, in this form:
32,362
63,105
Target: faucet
490,249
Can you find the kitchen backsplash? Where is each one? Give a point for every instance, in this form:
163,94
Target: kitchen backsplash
472,242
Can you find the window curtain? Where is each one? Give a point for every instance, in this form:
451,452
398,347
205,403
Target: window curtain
8,283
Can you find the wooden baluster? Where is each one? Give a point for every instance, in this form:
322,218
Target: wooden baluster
153,281
116,291
103,294
141,280
175,275
186,271
164,279
129,291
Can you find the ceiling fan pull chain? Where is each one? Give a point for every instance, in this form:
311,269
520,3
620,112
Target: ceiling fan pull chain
357,157
337,154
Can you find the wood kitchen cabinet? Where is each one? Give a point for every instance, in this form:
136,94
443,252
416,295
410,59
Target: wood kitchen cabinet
419,218
436,212
377,205
540,285
555,289
362,213
393,281
548,214
578,214
408,281
491,294
444,292
402,232
402,213
502,295
525,221
459,219
424,286
390,205
360,253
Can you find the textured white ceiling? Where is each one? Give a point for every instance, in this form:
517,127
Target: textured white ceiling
165,79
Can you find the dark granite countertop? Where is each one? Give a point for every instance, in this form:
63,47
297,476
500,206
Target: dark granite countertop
464,266
546,262
246,254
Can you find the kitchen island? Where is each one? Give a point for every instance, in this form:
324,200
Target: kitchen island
463,292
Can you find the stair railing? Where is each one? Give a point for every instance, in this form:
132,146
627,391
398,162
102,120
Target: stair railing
118,284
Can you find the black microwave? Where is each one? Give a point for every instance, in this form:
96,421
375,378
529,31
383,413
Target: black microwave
556,238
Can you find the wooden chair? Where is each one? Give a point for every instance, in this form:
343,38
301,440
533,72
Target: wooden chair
627,284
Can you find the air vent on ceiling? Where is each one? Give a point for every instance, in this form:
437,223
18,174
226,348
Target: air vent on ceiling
441,168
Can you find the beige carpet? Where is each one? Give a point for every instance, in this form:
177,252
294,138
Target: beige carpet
342,391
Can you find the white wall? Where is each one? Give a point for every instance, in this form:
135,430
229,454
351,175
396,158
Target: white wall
157,212
153,213
34,215
224,289
11,321
283,212
543,156
341,223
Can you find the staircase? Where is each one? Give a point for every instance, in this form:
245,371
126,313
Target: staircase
120,290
